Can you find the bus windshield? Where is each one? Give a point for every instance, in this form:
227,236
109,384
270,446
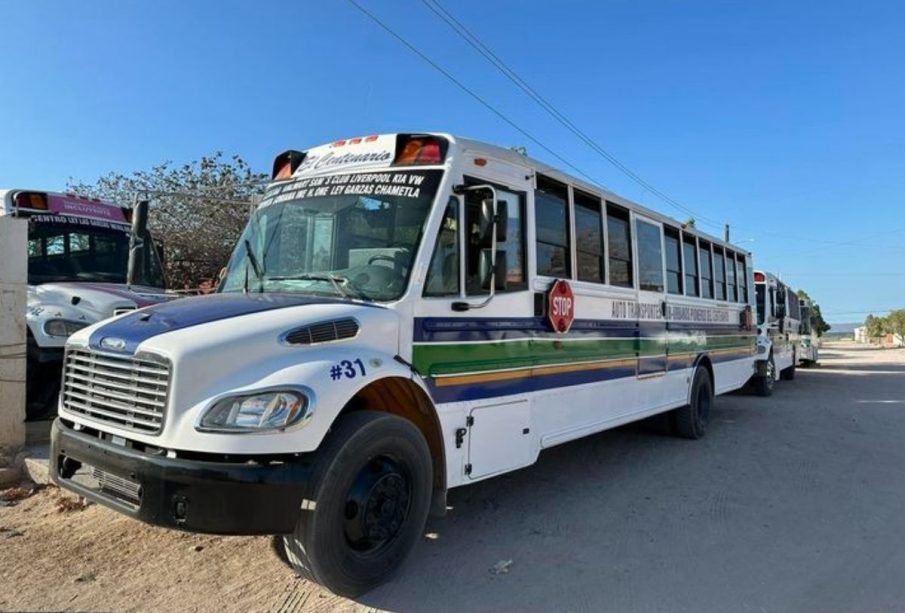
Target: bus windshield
63,249
352,235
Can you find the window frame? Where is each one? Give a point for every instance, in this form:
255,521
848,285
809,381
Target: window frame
568,247
463,244
690,239
623,214
673,232
602,256
708,247
640,218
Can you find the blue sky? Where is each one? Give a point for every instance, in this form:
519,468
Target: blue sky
785,119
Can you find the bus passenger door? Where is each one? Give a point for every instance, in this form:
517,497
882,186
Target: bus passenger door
651,330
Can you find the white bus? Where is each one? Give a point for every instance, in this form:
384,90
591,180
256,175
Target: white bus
778,318
78,252
809,336
404,314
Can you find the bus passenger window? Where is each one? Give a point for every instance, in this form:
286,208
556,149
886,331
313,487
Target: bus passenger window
650,257
706,271
719,273
589,238
673,261
513,249
691,266
742,280
731,294
443,274
551,206
619,239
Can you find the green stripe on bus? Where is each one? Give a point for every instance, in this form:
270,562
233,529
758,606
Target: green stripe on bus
450,358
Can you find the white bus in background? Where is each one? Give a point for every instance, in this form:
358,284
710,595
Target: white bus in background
404,314
778,318
78,253
809,337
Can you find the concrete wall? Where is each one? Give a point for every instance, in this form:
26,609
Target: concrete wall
13,276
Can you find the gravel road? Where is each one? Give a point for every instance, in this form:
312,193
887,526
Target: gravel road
791,503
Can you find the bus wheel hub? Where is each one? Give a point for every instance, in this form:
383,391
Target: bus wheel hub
377,505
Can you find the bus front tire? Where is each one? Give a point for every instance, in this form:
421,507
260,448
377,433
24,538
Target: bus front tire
691,420
367,505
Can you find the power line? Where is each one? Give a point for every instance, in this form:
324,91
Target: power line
459,28
470,92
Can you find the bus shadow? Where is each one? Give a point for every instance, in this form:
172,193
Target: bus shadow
521,523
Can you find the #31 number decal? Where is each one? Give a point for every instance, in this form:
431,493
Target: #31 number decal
347,369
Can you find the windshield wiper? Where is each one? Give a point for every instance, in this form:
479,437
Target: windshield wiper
253,260
340,284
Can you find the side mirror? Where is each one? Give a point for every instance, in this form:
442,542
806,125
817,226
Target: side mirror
136,242
487,269
490,223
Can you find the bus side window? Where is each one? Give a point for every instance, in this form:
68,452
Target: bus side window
742,280
619,241
650,256
719,273
673,261
443,274
706,270
731,294
589,245
513,249
690,250
551,218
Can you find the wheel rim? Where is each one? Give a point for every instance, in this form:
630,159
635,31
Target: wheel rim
771,374
377,505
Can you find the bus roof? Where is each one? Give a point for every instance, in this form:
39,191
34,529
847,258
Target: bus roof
53,203
376,151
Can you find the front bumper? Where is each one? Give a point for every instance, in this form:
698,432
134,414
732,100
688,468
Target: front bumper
198,495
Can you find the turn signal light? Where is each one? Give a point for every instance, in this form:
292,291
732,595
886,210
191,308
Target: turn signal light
31,200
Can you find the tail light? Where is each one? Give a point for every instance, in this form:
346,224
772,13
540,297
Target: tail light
31,200
419,150
760,277
285,164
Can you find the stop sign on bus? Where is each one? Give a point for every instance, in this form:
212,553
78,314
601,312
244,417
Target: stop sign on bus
561,306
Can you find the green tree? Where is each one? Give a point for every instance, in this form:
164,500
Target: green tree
877,327
896,323
820,324
197,209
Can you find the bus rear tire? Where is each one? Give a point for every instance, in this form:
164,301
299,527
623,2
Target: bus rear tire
367,505
691,420
763,386
788,374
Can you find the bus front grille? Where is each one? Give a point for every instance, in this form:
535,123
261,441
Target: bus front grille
127,392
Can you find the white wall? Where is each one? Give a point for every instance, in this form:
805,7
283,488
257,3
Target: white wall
13,275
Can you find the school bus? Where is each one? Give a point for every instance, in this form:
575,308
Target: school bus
404,314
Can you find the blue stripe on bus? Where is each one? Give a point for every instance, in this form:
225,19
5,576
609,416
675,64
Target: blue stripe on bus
465,329
135,328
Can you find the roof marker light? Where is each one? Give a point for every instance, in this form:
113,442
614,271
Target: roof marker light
420,149
285,164
32,200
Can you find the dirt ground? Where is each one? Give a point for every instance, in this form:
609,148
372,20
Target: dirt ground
792,503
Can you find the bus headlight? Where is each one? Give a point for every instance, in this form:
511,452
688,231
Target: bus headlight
258,412
62,327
